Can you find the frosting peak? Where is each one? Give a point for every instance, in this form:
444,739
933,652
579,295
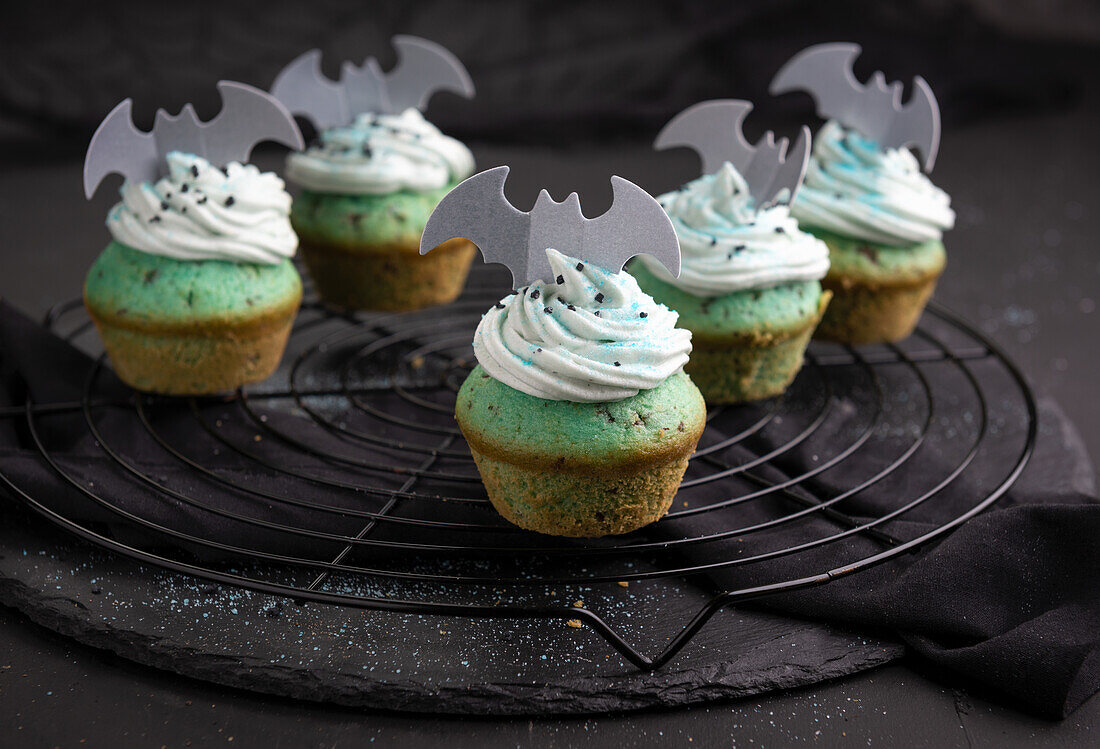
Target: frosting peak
857,189
379,154
728,245
590,336
201,212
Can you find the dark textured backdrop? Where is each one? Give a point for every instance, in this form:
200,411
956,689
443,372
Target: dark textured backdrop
548,73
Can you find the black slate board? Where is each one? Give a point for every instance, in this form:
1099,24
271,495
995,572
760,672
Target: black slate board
405,662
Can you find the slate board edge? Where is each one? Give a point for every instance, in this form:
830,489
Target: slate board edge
582,695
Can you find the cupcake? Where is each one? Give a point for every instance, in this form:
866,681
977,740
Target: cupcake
367,192
749,288
373,177
883,221
579,415
865,196
196,293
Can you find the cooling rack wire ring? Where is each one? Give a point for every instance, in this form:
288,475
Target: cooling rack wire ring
445,338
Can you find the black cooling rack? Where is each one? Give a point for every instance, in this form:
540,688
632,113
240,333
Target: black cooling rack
344,481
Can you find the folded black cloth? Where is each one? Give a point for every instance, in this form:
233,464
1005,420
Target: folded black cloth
1010,599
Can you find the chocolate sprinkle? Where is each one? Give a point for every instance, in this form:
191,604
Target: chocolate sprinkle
780,230
163,205
580,266
535,294
643,314
230,201
560,279
596,313
599,297
739,248
194,171
185,187
201,200
548,310
498,305
538,351
617,364
713,241
154,219
572,308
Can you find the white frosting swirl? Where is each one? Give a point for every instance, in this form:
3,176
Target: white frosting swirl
379,154
857,189
199,212
591,336
726,245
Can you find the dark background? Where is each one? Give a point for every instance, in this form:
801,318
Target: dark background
568,93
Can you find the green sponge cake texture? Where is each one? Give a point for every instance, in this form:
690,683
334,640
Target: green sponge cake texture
580,469
355,221
748,344
879,291
190,327
137,289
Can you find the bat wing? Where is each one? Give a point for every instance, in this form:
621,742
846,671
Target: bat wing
248,116
825,71
918,123
790,172
303,89
713,130
634,225
118,146
478,210
424,67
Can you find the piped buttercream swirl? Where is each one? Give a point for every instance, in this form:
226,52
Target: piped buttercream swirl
855,188
727,245
589,336
201,212
379,154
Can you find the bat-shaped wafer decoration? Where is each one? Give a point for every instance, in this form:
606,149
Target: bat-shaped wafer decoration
713,129
248,116
423,67
478,210
874,109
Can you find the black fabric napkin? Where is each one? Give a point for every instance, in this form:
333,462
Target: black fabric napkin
1011,599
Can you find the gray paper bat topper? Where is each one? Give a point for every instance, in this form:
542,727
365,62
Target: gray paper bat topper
478,210
248,116
825,71
713,129
423,67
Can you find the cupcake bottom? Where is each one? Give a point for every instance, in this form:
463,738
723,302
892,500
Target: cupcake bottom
392,277
580,469
879,292
190,327
746,345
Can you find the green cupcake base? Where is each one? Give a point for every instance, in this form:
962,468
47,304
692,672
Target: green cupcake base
190,327
580,469
363,251
747,345
879,292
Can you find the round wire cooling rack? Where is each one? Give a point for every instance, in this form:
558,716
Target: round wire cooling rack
344,481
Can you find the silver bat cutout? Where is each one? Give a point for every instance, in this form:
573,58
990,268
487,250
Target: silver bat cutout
478,210
825,71
713,130
423,67
248,116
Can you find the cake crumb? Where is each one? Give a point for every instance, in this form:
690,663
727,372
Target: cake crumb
624,584
574,623
578,604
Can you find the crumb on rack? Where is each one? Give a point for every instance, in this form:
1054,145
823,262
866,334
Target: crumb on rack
574,623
